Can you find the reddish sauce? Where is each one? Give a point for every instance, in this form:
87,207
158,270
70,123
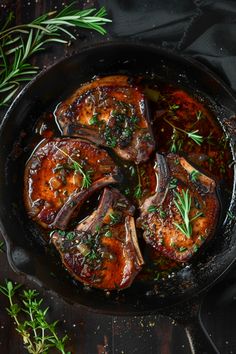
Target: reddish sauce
175,114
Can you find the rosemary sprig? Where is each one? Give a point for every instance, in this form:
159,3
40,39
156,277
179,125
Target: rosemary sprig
183,204
77,167
198,139
19,43
38,335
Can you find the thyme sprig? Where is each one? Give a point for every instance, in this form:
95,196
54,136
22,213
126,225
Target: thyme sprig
19,43
30,319
77,167
198,139
183,204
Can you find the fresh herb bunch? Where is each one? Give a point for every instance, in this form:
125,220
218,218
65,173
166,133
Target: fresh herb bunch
19,43
38,335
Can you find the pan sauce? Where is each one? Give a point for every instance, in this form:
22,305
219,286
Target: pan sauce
168,104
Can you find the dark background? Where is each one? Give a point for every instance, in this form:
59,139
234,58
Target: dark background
205,30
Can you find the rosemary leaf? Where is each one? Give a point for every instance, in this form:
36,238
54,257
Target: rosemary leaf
19,43
76,166
183,203
198,139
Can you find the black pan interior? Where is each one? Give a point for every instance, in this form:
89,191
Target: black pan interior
26,254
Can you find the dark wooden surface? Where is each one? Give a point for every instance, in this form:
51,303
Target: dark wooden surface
90,333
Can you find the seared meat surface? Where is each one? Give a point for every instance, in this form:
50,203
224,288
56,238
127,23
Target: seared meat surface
60,175
110,111
103,250
182,214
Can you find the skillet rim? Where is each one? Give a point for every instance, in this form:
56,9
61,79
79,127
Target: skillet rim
87,47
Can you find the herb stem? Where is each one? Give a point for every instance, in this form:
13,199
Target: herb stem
34,342
198,139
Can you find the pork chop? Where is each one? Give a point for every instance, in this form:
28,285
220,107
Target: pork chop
183,212
103,250
64,173
110,111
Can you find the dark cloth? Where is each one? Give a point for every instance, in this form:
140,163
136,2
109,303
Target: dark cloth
204,29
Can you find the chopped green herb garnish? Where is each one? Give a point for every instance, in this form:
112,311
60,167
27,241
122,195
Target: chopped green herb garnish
110,139
182,249
70,235
127,191
176,142
108,234
173,183
138,191
155,209
60,233
97,228
176,161
147,137
94,120
152,209
132,170
194,175
92,256
115,218
162,213
134,119
173,107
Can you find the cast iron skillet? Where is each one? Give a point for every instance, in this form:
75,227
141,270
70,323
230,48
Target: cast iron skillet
27,255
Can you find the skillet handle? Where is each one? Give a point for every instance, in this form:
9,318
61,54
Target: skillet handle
199,340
